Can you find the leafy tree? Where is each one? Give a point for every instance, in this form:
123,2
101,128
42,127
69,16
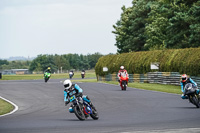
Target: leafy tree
60,61
156,27
4,62
130,28
67,62
42,62
194,38
158,24
14,65
93,58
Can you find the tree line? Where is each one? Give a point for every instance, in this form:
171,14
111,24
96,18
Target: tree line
6,65
56,62
158,25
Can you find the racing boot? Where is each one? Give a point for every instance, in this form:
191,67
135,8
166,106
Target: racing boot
184,96
87,99
71,109
197,91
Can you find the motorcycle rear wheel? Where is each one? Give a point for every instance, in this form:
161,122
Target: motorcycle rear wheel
94,114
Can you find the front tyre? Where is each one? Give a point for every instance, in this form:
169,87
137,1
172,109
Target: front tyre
124,85
195,101
94,114
79,112
46,79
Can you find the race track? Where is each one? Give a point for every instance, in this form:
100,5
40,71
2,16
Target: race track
42,110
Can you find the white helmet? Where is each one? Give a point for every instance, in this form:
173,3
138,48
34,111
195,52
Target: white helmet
122,67
67,84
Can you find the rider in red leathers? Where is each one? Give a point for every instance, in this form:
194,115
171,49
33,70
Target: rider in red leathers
121,72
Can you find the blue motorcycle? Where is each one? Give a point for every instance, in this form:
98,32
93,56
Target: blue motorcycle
82,109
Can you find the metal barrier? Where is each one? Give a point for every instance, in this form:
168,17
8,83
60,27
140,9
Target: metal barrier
172,78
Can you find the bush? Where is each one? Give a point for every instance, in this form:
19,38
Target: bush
171,60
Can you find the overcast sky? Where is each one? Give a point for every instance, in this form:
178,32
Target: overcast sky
32,27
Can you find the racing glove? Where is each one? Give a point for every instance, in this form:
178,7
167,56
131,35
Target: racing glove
66,102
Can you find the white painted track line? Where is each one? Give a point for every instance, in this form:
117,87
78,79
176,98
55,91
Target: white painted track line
15,107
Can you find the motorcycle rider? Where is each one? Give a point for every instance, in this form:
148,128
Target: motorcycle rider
83,73
184,81
48,70
73,89
71,74
121,72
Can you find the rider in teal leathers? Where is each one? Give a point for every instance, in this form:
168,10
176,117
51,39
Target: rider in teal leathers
184,81
73,89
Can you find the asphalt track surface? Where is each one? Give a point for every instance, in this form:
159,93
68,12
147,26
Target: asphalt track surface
42,110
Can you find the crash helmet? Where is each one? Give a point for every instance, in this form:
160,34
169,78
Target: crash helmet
122,67
67,84
184,77
48,68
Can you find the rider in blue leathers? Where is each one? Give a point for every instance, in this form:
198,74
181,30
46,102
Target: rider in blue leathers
73,89
184,81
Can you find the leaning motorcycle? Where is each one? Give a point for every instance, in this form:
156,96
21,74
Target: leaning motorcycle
123,81
46,76
82,109
71,74
193,97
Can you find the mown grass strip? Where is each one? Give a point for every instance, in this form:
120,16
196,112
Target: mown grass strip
5,107
154,87
41,76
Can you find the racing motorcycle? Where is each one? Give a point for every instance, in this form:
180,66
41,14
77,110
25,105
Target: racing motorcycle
190,91
71,74
82,109
46,76
124,81
83,74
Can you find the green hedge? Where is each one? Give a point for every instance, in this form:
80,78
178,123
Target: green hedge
171,60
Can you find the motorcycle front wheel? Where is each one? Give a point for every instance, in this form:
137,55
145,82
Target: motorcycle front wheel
195,101
78,110
123,85
46,79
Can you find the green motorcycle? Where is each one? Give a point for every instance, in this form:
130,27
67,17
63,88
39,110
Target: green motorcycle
47,76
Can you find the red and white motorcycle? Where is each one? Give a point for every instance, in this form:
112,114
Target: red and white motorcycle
124,81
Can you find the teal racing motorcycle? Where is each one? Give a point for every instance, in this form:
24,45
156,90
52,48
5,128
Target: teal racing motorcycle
193,97
82,108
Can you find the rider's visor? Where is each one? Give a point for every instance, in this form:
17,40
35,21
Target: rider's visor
184,78
67,85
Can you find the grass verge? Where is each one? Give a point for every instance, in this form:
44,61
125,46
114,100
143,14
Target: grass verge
5,107
84,80
154,87
40,76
